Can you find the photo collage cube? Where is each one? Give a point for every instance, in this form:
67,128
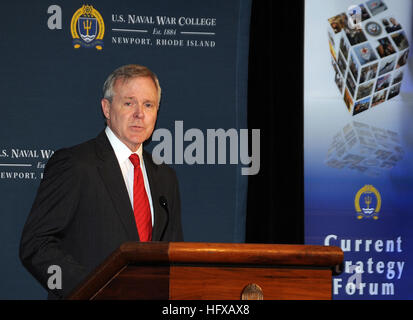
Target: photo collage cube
368,56
364,148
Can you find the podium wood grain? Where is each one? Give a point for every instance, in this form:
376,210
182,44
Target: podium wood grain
212,271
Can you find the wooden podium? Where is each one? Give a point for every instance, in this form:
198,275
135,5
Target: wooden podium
213,271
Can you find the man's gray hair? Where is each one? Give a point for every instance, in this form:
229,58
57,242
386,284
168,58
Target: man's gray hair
128,72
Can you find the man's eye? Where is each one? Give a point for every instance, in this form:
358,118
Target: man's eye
148,105
128,104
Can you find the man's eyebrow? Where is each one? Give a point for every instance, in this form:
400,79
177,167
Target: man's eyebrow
145,100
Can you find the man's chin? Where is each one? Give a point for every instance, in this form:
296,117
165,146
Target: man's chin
136,143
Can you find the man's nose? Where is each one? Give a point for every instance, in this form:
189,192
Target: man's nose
138,113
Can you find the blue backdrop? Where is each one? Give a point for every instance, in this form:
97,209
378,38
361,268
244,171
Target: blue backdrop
51,93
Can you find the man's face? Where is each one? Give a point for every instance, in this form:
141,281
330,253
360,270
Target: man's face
133,111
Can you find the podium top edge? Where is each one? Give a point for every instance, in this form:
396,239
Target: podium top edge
233,253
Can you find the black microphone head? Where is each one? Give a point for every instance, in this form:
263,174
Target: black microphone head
163,202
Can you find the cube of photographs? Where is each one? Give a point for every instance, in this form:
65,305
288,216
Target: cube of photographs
355,36
338,79
342,63
338,22
344,47
368,141
361,106
370,162
332,51
391,24
398,154
373,28
376,6
394,137
365,53
336,164
334,64
382,138
354,67
368,149
383,82
397,76
347,99
402,59
351,85
364,14
384,47
387,65
368,56
352,159
365,90
369,72
383,151
354,16
382,154
387,165
362,129
378,98
349,136
394,91
400,40
331,38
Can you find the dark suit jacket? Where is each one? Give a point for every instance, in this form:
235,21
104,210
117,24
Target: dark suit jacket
82,212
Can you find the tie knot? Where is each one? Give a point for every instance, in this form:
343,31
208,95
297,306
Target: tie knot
134,158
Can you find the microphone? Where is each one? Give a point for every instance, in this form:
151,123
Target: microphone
164,204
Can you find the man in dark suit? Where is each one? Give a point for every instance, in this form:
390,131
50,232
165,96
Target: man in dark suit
94,196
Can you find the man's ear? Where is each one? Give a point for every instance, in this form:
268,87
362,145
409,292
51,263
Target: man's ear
105,107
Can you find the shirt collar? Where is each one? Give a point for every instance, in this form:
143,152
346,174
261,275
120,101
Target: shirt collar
122,152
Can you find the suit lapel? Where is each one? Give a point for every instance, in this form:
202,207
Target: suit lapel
111,174
160,215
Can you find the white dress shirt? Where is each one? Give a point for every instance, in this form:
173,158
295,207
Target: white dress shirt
123,153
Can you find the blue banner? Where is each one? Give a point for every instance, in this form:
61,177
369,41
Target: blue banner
358,142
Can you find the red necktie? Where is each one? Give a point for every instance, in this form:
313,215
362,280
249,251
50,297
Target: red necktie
141,208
